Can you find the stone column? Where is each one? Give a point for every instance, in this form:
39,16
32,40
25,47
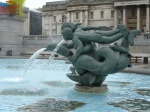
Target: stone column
50,25
28,24
138,18
68,17
43,24
115,17
81,16
147,18
124,16
86,18
72,17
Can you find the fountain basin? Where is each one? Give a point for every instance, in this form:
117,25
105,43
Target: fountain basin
41,83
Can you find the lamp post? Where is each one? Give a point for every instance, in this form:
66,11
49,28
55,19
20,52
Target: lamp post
119,16
64,18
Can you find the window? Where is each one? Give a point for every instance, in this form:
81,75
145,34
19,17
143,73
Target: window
54,18
91,15
133,13
112,13
77,15
102,14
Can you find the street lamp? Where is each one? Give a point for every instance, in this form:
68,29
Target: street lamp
64,18
119,16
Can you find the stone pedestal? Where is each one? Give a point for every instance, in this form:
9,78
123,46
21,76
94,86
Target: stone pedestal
11,31
91,89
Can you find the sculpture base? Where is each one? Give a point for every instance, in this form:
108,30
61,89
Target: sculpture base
91,89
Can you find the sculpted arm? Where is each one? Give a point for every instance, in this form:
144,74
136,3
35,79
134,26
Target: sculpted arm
89,28
79,47
68,45
108,33
88,48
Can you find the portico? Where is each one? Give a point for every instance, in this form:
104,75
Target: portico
134,14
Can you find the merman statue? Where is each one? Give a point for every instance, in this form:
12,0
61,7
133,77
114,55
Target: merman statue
92,65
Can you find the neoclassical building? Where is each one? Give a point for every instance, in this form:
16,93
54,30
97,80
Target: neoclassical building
135,14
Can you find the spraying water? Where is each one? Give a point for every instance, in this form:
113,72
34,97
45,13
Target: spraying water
56,49
51,38
36,54
16,79
52,57
30,60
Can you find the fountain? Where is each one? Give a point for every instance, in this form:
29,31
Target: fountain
127,92
92,65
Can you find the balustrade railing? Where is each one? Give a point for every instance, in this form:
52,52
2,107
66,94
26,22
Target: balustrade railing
41,39
142,39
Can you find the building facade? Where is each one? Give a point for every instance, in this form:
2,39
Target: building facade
135,14
35,23
32,21
17,36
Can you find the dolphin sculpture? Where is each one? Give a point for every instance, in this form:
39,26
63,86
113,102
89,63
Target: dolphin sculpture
92,66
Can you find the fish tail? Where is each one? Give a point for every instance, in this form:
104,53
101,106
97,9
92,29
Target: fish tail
123,29
131,36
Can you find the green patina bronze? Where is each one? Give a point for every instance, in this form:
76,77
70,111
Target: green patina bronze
92,65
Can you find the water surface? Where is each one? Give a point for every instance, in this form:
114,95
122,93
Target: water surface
42,82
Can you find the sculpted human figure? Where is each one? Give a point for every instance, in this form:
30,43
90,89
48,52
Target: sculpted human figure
80,36
91,64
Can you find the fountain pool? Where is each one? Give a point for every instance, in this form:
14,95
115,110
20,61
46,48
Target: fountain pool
127,92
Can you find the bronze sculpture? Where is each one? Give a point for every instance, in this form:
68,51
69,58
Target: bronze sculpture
92,65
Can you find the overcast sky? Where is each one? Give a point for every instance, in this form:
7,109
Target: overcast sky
35,3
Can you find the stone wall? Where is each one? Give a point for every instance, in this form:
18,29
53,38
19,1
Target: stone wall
76,11
33,43
11,29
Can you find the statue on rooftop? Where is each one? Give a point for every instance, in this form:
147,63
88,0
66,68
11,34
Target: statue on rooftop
91,65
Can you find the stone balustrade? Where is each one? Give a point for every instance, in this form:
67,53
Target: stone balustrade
142,39
41,39
32,43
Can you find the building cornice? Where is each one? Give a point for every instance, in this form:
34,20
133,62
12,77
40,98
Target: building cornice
129,3
9,17
65,5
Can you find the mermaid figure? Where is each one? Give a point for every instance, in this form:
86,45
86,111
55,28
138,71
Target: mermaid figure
91,65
